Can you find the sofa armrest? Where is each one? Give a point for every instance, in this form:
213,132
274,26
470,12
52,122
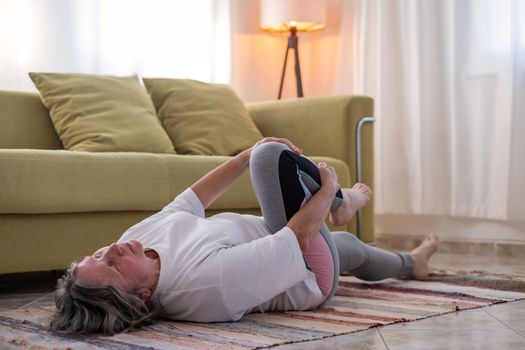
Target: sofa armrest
324,126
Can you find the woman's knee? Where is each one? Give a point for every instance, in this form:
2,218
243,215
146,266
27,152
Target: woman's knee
267,153
347,242
352,254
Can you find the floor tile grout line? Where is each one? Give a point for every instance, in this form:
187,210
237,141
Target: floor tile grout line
34,296
385,343
34,301
505,324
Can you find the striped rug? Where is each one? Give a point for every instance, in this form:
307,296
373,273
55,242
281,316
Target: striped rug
357,306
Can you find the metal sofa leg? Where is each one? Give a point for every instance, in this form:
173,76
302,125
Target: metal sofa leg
359,126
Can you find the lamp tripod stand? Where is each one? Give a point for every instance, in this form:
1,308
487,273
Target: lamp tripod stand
293,43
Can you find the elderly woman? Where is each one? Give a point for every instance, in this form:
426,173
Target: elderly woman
183,266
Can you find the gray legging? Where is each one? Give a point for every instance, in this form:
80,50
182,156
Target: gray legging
281,180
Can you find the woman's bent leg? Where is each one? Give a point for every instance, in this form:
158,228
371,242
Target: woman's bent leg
275,173
282,181
370,263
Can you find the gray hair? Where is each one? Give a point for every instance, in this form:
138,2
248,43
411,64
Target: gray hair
85,309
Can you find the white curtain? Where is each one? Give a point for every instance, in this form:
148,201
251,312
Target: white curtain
448,78
164,38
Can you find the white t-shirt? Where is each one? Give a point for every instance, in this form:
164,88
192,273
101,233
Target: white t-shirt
222,267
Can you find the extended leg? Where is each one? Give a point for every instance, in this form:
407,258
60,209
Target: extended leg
373,264
370,263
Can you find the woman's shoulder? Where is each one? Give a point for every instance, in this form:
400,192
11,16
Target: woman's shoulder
204,304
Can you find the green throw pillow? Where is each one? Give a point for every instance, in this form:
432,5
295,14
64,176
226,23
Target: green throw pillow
100,113
202,118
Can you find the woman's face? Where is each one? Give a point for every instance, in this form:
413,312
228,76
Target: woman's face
121,265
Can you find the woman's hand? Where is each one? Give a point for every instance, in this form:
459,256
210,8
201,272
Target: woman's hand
247,153
329,180
281,140
307,222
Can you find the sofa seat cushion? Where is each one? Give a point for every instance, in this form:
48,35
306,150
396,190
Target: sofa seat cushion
61,181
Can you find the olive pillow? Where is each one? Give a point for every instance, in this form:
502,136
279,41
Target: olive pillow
102,113
202,118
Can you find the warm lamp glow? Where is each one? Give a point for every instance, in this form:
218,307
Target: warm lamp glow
302,15
293,16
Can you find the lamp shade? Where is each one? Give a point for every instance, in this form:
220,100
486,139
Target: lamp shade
283,15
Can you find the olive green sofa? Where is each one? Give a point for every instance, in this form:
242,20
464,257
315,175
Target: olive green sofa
57,205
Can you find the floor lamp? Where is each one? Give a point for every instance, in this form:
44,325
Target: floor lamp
292,16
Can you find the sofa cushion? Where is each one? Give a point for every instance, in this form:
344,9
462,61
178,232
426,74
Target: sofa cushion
61,181
202,118
102,113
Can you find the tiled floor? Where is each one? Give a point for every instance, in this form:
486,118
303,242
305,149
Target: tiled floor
494,327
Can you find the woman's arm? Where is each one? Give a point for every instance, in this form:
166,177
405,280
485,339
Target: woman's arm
308,220
212,185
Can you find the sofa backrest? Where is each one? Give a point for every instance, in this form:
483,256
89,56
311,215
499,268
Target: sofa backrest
25,122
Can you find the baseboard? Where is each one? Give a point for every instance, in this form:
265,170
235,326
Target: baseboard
506,248
451,228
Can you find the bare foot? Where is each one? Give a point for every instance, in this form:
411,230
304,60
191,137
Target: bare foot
421,254
353,199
